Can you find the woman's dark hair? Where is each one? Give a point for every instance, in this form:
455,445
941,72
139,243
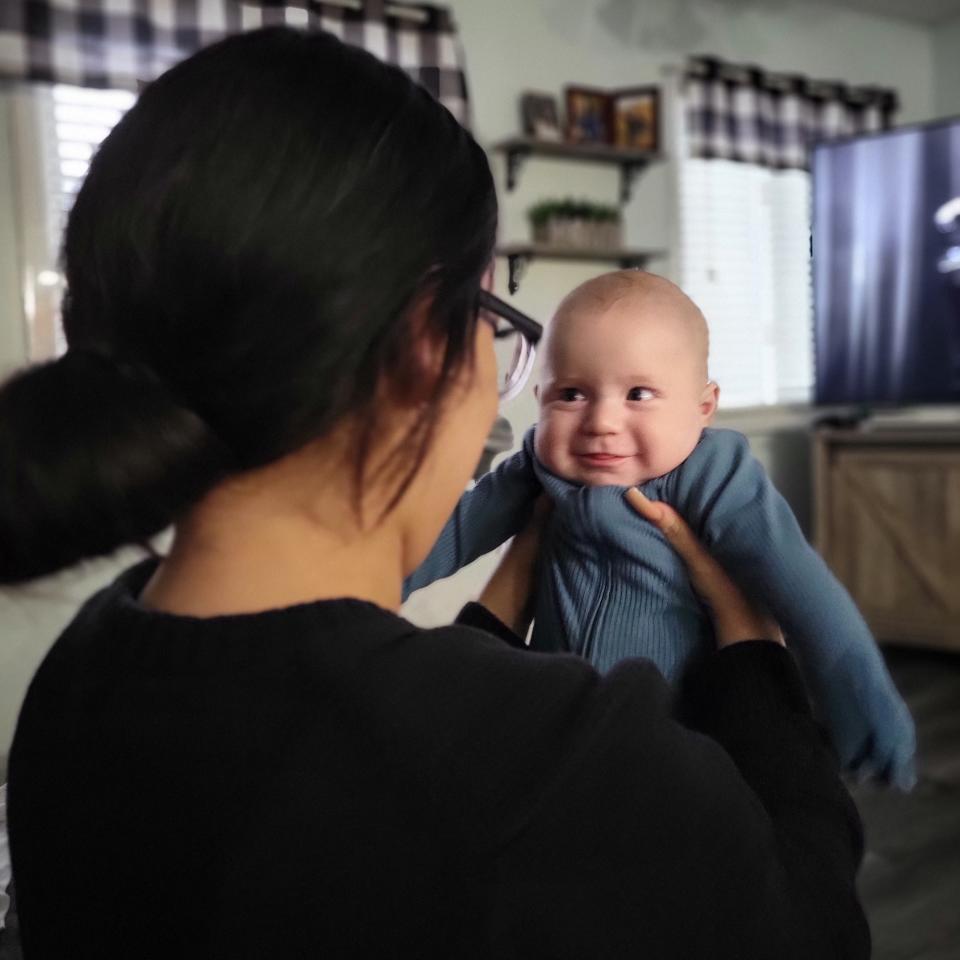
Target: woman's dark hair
242,262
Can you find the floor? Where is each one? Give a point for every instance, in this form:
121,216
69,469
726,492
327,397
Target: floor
910,881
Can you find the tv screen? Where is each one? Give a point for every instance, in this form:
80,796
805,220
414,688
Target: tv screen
886,267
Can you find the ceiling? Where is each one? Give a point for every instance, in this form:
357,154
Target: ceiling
919,11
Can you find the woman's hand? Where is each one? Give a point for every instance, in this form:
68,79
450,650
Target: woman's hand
734,620
508,594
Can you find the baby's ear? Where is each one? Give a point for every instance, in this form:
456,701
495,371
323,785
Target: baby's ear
708,402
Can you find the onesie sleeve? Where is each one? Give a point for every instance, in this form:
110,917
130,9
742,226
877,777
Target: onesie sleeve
727,497
486,516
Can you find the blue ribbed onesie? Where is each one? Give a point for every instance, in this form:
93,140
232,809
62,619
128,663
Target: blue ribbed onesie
609,585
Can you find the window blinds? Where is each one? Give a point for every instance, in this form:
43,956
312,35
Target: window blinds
744,258
69,123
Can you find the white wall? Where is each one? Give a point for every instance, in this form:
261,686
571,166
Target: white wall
513,45
13,340
946,60
517,45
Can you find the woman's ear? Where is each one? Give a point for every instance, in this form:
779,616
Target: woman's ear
430,349
412,384
709,399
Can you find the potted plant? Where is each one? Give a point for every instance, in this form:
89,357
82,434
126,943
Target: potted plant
577,224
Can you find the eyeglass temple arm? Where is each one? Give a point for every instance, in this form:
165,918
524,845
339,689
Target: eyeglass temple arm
529,327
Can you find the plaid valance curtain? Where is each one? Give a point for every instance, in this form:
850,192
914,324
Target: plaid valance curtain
743,113
121,44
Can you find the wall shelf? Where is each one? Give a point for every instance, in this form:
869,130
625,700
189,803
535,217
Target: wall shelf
631,162
519,256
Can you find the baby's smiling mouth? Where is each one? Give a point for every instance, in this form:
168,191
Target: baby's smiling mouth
601,459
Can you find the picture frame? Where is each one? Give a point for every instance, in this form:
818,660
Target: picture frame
636,118
540,117
589,115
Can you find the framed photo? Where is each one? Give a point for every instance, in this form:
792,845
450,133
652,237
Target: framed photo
589,115
636,118
539,116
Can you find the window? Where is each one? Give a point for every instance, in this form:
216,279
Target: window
744,258
56,132
81,120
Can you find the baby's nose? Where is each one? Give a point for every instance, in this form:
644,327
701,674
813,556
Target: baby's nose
602,416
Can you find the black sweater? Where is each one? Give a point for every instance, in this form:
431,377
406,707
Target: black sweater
328,780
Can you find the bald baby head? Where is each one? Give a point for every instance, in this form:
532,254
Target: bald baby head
623,393
650,303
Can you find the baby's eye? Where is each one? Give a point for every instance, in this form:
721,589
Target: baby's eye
640,393
569,394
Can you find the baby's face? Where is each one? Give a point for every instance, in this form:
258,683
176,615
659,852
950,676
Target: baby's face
623,396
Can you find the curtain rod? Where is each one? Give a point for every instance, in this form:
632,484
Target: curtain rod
392,9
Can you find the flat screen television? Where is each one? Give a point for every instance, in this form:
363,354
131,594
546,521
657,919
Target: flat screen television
886,267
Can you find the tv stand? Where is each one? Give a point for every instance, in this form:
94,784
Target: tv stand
847,420
900,418
923,419
887,521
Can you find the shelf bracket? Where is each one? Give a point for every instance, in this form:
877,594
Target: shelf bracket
515,158
517,265
629,172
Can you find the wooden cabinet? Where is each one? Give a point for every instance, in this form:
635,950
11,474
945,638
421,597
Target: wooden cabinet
887,521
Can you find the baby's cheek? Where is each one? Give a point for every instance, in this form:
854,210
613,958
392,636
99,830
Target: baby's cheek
672,447
549,443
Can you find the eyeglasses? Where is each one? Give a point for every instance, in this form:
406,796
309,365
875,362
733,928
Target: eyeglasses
515,342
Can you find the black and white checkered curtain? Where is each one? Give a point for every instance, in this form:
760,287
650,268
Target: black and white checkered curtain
753,116
121,44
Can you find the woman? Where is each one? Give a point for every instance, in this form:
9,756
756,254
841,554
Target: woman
241,750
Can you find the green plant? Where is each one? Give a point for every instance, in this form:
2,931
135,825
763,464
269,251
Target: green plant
571,209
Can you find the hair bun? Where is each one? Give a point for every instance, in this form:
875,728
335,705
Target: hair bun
94,454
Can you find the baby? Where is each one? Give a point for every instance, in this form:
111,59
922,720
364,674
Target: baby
625,401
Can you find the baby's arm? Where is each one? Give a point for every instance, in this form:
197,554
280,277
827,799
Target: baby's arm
493,511
728,498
